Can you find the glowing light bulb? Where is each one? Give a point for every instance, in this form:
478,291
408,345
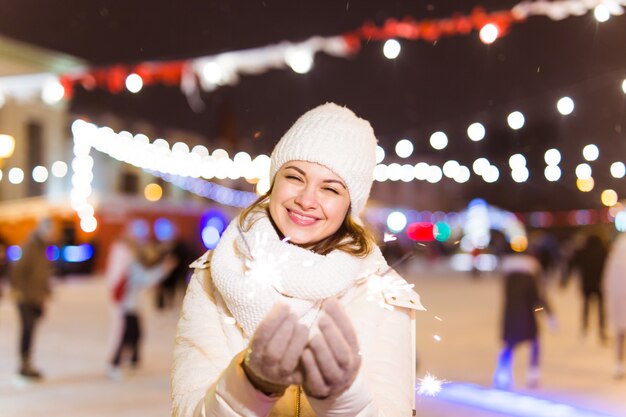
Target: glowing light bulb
618,169
404,148
591,152
134,83
391,49
438,140
476,132
300,60
601,13
565,105
552,157
489,33
515,120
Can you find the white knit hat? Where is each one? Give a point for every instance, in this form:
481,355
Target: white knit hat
335,137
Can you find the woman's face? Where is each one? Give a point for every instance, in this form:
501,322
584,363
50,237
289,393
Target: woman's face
308,202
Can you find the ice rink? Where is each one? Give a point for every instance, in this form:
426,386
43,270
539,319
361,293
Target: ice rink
74,344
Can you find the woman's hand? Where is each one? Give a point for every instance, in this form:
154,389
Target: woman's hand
272,360
331,360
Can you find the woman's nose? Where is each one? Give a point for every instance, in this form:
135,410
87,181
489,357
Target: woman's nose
306,198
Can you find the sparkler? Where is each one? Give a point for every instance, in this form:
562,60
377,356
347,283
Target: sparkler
262,268
429,386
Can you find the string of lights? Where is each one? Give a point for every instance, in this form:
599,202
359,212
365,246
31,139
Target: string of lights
211,72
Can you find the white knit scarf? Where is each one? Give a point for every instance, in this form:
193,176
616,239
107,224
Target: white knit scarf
254,269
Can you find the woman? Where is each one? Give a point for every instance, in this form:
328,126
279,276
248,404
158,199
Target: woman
522,300
296,313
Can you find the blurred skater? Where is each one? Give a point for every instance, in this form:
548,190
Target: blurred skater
143,272
522,300
589,261
30,285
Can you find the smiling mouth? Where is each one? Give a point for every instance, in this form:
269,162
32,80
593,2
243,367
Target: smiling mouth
301,219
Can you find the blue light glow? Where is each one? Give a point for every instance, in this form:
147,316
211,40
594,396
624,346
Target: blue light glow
53,253
163,229
511,403
80,253
210,237
140,229
14,253
212,225
218,223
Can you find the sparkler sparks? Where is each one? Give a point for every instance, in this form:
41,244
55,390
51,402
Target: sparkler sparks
262,268
378,286
388,237
429,386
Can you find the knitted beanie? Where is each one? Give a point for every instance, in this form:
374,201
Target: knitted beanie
335,137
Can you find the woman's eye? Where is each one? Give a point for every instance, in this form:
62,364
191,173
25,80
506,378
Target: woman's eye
293,177
332,190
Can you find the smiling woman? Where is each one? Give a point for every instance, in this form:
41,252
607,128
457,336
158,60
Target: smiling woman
308,202
284,317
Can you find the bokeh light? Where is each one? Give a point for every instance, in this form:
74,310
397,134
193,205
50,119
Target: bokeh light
134,83
565,105
476,132
480,165
300,60
164,230
59,169
552,156
40,174
520,174
16,175
601,13
585,185
515,120
52,92
438,140
591,152
517,161
153,192
396,221
609,197
442,231
451,168
618,169
552,173
519,243
404,148
489,33
391,49
14,253
583,171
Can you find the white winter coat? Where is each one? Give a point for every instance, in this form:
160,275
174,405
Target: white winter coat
615,283
208,380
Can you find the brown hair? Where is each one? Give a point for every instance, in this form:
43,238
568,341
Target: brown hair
351,237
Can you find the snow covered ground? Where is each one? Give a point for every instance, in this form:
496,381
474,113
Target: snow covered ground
74,344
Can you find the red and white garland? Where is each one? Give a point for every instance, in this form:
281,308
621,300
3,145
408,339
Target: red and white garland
210,72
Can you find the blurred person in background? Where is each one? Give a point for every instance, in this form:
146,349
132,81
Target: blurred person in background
589,262
136,233
281,319
522,300
30,285
166,289
146,269
615,290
